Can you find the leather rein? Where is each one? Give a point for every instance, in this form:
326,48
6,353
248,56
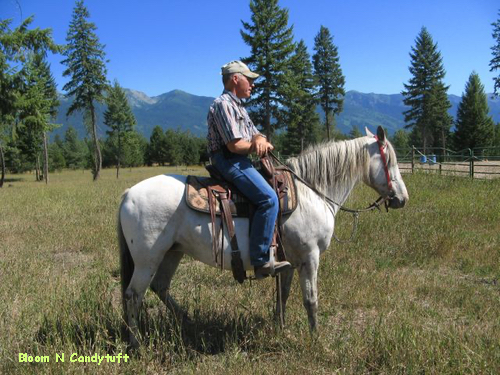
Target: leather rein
355,212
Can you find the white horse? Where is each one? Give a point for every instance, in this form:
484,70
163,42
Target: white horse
156,227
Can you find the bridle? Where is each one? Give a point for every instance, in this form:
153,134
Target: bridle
355,212
381,146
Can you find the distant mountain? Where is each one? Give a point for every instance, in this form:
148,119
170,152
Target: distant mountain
387,110
178,109
175,109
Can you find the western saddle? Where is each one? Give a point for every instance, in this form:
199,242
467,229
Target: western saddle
216,196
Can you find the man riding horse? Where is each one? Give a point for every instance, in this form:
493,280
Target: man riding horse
232,136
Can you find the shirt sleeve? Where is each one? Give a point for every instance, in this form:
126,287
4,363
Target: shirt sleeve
253,131
227,121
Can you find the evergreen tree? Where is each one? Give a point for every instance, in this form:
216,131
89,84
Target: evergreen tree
56,157
495,61
119,118
475,128
271,44
496,140
440,118
37,106
188,148
329,77
401,139
74,150
15,46
299,114
355,132
158,146
173,147
134,149
425,94
85,61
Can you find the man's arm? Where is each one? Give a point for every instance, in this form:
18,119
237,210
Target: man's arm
259,145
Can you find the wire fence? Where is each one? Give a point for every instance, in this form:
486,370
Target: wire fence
483,162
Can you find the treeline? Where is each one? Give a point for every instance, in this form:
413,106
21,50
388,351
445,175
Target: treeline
172,147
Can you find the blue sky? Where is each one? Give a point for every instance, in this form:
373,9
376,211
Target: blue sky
156,46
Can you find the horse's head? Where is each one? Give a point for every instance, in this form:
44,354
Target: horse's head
383,174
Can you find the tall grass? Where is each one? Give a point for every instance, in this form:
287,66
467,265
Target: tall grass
416,292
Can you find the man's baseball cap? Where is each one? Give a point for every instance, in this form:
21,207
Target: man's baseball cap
238,67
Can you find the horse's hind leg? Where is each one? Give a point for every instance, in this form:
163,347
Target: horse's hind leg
283,285
162,279
133,300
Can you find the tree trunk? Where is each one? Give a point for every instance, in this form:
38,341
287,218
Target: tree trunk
327,121
37,168
119,156
97,149
45,159
267,125
2,163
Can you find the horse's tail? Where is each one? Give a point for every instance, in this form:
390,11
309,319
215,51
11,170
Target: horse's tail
126,261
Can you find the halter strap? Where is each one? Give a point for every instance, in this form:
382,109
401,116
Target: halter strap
384,161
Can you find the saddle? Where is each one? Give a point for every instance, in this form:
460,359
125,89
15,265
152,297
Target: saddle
215,196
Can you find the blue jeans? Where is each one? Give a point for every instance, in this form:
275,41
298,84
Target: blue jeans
239,170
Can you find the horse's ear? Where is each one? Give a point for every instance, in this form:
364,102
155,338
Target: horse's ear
368,132
381,134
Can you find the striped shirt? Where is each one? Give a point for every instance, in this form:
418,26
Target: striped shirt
228,120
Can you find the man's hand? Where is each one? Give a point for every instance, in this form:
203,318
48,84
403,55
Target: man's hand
261,146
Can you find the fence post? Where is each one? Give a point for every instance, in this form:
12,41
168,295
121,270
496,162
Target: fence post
412,158
471,164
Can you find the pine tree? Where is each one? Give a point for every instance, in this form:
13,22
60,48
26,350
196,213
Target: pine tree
299,114
173,147
329,77
401,139
495,61
271,43
475,128
37,106
74,150
86,67
119,118
355,132
134,149
157,146
425,94
15,47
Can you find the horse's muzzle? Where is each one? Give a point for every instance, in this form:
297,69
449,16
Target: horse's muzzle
397,202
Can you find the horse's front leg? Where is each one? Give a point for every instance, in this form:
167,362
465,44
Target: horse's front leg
308,272
283,285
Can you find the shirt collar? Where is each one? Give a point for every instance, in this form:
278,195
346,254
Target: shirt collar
234,97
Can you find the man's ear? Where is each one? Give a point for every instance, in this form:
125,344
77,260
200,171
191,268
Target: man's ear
381,134
368,132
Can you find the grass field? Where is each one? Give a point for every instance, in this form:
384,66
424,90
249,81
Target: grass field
417,292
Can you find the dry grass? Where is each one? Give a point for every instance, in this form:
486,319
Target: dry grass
417,292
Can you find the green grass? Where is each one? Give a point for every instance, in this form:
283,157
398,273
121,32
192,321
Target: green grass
416,292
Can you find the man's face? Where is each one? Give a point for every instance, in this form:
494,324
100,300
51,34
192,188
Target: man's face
243,86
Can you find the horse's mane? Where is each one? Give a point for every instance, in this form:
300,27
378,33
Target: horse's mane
332,164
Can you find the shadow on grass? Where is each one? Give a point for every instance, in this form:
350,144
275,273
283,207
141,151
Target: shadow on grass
103,331
207,333
10,179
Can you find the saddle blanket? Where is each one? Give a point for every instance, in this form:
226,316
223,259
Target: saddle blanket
197,196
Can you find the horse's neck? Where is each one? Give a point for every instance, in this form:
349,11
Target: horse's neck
346,161
339,194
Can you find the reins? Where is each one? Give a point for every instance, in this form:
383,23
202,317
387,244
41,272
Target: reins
355,212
